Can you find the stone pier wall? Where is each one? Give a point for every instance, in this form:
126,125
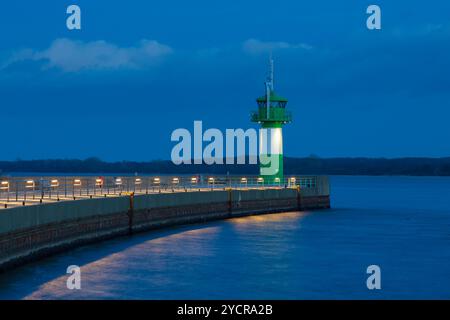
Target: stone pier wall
27,233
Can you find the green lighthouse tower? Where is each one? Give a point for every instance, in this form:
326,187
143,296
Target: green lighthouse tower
272,115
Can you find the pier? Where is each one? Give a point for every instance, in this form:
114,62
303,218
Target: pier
45,215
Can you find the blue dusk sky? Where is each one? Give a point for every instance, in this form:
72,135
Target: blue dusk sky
137,70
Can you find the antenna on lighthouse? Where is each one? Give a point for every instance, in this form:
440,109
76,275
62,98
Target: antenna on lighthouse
269,84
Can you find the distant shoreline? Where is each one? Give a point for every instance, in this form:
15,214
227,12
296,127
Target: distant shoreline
297,166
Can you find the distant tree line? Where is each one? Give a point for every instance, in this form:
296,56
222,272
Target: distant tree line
369,166
307,166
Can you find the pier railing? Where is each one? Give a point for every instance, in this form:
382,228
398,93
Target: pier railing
20,191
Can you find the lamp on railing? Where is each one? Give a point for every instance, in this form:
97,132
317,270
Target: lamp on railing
244,181
175,182
118,184
157,182
54,184
277,180
211,181
4,186
29,184
98,184
76,184
260,180
137,182
292,181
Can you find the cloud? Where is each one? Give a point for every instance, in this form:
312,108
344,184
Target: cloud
254,46
73,56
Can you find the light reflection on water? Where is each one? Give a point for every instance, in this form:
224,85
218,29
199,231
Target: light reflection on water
293,255
116,270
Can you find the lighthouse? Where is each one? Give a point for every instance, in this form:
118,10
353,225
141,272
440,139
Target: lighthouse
271,115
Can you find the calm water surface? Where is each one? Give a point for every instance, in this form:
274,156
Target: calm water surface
401,224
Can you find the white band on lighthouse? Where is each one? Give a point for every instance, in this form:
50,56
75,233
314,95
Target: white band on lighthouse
271,141
270,150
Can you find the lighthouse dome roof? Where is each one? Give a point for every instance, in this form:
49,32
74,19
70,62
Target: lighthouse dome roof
273,98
